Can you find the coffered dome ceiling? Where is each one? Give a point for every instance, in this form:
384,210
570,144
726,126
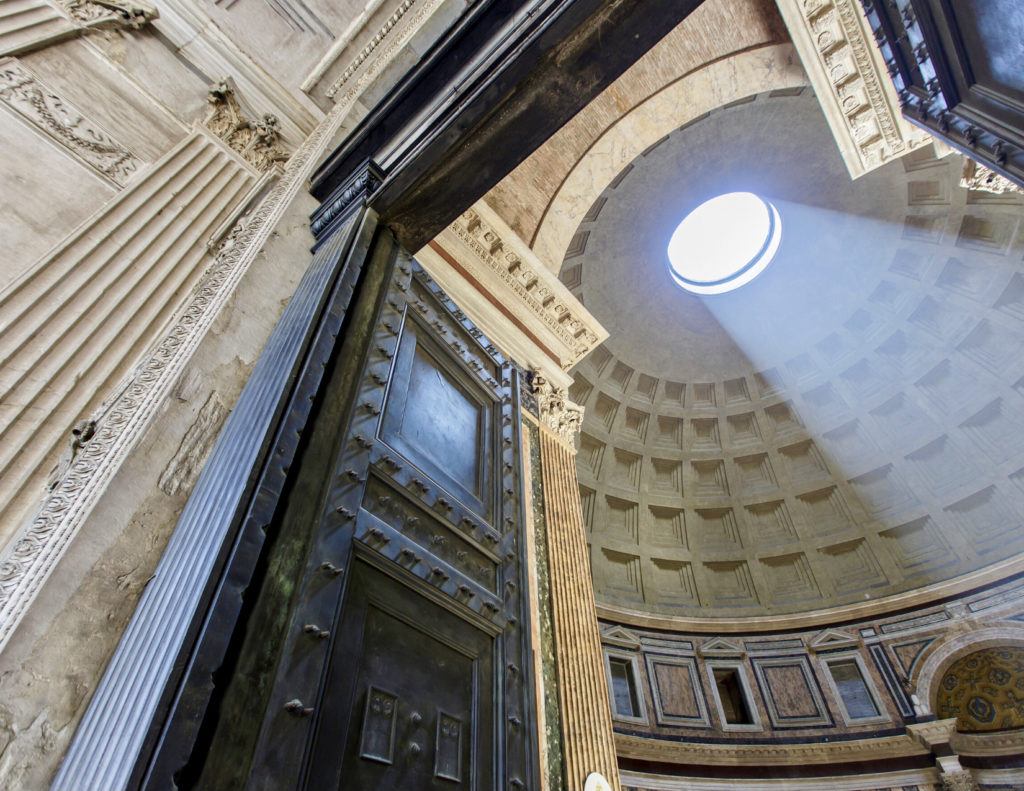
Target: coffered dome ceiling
848,426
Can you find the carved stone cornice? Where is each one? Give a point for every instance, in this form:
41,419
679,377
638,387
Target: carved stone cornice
997,743
59,120
932,733
961,780
109,13
371,47
976,176
557,412
257,142
518,303
850,80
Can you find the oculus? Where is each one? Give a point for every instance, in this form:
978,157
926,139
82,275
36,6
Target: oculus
724,243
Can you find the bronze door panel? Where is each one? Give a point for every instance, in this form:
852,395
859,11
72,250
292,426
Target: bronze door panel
408,702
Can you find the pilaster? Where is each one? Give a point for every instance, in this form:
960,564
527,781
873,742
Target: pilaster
588,741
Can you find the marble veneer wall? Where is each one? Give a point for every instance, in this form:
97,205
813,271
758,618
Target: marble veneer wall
795,703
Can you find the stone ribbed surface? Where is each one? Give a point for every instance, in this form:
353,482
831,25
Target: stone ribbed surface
25,24
587,739
78,321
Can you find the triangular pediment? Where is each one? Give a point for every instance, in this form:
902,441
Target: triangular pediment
720,646
620,636
832,638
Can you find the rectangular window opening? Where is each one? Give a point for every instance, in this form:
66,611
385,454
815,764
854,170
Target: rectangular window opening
852,689
730,695
624,687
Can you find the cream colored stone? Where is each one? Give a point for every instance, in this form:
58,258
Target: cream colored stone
538,321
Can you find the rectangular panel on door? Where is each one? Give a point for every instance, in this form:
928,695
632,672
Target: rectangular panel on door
416,679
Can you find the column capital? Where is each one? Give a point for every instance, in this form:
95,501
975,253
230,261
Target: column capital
557,412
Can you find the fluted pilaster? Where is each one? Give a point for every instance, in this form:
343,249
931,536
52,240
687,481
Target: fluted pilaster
587,738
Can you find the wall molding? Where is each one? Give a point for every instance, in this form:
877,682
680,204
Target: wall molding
800,754
546,327
65,125
27,25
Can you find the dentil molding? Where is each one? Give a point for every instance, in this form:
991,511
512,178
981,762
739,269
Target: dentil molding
539,323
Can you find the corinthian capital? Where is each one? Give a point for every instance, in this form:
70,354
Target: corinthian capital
556,411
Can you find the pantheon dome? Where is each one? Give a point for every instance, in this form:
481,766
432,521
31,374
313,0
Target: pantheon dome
844,428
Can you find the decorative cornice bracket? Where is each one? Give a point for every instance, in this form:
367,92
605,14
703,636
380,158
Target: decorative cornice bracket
850,80
258,142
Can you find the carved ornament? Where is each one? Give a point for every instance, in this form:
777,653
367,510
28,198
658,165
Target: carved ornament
59,120
528,281
370,47
849,78
978,177
777,754
257,142
557,412
33,553
934,732
109,13
958,781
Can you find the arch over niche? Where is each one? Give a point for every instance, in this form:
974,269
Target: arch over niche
768,68
984,690
947,650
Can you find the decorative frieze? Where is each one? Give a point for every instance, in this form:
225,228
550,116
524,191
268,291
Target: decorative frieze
77,321
57,118
371,47
851,83
525,281
257,142
557,412
28,558
979,177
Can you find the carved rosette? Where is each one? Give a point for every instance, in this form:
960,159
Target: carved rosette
257,142
557,412
978,177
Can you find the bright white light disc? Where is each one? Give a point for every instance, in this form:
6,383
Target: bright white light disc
596,782
724,243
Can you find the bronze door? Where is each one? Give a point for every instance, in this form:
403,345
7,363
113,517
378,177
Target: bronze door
404,664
